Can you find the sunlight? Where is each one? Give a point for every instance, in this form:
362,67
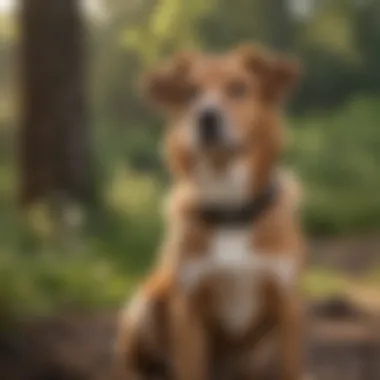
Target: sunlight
7,5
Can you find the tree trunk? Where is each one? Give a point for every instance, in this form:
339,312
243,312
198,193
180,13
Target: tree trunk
54,134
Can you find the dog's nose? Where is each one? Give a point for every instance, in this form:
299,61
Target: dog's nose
209,125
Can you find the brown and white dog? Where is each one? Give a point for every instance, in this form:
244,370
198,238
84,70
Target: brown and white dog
230,261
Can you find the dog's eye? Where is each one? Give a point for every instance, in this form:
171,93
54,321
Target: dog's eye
237,89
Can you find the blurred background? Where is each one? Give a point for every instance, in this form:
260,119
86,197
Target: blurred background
82,179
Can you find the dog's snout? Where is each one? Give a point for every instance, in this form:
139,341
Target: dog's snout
209,124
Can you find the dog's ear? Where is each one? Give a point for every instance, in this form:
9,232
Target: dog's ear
286,72
277,74
168,84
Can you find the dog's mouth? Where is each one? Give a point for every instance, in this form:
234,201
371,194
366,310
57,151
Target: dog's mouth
222,154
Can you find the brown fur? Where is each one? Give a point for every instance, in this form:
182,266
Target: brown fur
185,331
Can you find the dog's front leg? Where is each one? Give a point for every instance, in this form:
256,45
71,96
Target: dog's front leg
290,337
188,340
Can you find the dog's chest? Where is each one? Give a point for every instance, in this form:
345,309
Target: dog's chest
236,299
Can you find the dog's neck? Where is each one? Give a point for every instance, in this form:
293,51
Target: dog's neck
227,186
226,197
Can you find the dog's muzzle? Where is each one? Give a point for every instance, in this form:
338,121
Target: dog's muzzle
210,127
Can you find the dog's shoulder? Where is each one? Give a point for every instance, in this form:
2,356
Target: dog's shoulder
279,229
179,203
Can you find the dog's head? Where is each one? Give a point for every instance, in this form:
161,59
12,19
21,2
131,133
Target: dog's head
222,106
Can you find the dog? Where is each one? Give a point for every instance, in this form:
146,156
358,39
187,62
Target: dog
229,266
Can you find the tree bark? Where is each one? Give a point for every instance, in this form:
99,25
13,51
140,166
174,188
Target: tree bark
54,131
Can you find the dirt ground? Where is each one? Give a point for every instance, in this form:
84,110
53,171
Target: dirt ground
341,344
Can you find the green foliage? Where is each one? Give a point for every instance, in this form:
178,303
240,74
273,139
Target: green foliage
336,40
43,269
337,157
45,282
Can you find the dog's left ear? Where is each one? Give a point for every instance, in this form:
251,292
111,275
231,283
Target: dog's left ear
277,74
167,85
286,71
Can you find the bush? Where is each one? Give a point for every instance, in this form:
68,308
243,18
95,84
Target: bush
337,156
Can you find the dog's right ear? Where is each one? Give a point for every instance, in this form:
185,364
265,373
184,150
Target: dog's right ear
168,85
277,74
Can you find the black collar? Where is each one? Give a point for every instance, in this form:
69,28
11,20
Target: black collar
239,215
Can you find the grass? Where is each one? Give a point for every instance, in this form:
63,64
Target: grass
44,284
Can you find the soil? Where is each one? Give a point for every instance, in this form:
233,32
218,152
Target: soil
342,343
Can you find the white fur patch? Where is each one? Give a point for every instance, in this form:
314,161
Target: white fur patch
231,255
230,186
